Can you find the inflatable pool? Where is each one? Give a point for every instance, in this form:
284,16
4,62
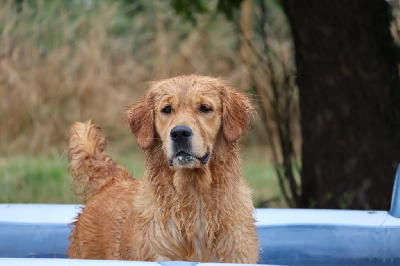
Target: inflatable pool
37,234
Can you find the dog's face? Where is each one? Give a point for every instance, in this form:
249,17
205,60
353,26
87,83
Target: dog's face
187,114
187,119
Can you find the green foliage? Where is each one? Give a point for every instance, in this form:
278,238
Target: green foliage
188,9
228,7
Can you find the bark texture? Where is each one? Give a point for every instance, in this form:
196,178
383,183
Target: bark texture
347,77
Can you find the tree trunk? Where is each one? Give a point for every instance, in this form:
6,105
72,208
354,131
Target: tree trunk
347,78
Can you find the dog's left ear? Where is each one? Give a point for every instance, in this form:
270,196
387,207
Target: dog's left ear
236,113
140,118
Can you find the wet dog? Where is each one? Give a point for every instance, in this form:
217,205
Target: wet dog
192,203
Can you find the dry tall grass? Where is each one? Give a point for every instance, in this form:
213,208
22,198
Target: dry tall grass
62,61
65,61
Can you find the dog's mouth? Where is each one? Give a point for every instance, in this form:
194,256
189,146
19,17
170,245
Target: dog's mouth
183,158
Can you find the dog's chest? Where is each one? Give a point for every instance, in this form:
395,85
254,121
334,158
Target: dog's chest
192,233
199,240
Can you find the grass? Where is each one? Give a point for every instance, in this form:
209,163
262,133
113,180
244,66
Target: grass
26,179
35,180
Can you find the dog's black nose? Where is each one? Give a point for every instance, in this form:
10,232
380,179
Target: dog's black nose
181,133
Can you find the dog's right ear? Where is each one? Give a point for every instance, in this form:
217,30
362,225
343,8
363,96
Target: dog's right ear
140,118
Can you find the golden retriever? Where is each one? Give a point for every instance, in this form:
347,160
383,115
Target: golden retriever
192,203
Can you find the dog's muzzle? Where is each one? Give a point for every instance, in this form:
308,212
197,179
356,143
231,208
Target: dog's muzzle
181,137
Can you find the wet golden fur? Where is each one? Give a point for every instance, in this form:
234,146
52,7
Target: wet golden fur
192,211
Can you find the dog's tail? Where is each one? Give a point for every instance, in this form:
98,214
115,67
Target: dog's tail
90,168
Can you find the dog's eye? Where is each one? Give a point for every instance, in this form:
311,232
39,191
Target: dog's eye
167,109
204,108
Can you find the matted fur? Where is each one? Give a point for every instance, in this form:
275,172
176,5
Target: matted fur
199,212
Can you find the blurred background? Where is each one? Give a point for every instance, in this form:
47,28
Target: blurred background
323,77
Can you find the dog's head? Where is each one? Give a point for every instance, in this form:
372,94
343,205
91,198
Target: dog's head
188,114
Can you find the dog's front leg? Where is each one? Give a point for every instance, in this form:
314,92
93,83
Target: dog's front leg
239,246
